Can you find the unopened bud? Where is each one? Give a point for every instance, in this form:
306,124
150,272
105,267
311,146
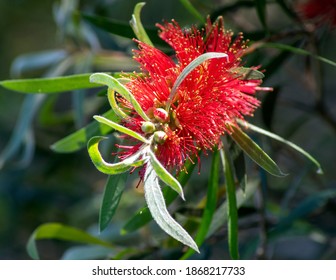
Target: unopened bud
148,127
161,115
160,137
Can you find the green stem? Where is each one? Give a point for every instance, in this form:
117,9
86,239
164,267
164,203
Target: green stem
232,205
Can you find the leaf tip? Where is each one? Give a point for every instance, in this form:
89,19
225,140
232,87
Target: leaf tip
319,171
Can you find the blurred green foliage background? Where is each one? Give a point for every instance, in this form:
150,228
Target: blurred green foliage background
288,218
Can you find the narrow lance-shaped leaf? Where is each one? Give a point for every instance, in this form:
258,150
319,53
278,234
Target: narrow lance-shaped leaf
50,85
282,140
232,213
296,51
61,232
220,217
112,168
137,26
255,152
192,10
164,175
158,209
211,203
186,71
105,79
121,128
114,188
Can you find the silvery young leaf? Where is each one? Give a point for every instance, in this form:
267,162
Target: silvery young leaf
112,168
289,143
121,128
164,175
255,152
137,26
113,83
245,73
190,67
158,209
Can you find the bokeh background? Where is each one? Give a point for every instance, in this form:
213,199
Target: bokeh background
287,218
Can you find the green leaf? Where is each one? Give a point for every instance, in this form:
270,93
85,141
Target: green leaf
113,83
245,73
114,188
164,175
238,159
220,217
188,69
232,212
296,51
79,139
60,232
255,152
50,85
112,168
192,10
143,216
261,11
157,207
136,25
121,128
210,205
288,143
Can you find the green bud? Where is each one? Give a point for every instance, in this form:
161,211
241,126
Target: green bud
160,137
148,127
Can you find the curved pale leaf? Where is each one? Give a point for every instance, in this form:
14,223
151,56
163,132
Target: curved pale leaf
113,83
137,26
255,152
282,140
121,128
112,168
186,71
143,216
61,232
158,209
114,105
164,175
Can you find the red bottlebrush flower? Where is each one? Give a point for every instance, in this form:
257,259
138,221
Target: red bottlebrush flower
319,11
206,103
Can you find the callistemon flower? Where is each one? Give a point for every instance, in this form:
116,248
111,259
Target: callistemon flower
318,11
205,104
